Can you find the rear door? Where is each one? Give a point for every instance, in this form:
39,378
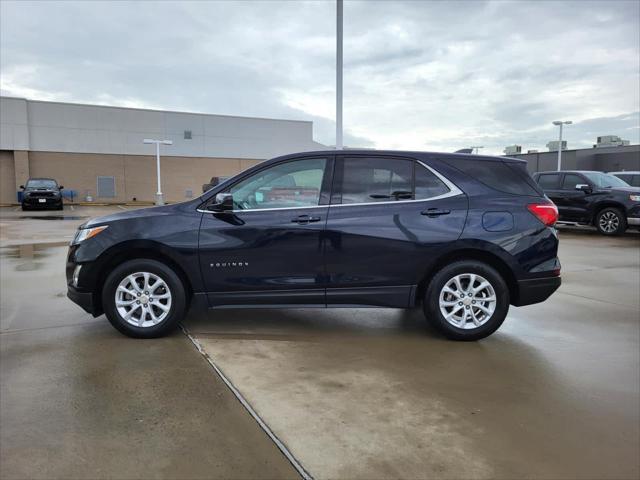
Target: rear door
388,217
550,184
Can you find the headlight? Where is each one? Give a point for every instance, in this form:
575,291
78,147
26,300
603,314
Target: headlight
86,233
634,198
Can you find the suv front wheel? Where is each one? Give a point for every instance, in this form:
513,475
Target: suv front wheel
611,221
466,300
144,298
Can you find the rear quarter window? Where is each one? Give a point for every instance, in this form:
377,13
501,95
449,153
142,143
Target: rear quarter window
498,175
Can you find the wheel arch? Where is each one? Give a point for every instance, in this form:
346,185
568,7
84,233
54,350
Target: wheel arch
469,253
135,250
597,208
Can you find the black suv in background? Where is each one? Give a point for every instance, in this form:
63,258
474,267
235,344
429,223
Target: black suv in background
592,198
632,178
465,236
41,193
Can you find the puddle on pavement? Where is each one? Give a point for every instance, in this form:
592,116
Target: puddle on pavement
29,254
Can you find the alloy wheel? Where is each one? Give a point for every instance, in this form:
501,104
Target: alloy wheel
609,222
467,301
143,299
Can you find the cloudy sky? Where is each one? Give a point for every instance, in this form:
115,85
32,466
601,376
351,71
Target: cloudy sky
426,75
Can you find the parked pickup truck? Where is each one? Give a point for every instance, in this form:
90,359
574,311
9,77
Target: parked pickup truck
592,198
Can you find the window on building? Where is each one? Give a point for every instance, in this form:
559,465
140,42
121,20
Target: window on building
187,134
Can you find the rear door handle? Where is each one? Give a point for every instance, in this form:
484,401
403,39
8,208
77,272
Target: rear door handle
304,219
435,212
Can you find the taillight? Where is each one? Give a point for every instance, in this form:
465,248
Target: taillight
547,213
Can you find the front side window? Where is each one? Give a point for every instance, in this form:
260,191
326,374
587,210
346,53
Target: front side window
571,180
287,185
366,180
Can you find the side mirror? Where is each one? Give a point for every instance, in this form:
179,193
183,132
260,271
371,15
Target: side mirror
60,187
584,187
223,203
22,187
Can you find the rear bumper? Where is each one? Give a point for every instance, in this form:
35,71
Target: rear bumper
84,299
536,290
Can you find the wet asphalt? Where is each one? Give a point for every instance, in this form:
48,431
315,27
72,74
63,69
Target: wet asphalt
366,393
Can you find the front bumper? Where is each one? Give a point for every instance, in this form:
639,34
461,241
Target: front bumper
536,290
49,202
84,299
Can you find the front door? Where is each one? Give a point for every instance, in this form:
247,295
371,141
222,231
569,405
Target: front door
388,218
573,204
269,249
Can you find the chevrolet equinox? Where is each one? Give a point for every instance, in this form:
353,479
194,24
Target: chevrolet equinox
465,236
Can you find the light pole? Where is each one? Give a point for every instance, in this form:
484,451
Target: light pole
159,199
338,74
476,148
560,123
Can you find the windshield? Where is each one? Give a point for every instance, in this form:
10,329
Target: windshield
42,183
604,180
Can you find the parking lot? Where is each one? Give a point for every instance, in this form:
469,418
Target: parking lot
365,393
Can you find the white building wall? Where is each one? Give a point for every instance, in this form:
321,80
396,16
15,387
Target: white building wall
64,127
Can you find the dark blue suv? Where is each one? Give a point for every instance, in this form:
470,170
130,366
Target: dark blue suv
465,236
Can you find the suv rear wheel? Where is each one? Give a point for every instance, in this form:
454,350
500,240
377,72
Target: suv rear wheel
611,221
144,298
466,300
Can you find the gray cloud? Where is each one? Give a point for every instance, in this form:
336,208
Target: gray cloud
419,75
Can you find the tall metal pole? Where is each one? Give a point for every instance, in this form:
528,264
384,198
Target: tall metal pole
159,199
560,150
339,75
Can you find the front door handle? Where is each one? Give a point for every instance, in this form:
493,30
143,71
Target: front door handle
435,212
304,219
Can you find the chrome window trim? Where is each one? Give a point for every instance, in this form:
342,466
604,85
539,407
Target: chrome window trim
454,191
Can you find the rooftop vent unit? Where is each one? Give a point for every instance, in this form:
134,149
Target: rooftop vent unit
512,149
553,145
610,141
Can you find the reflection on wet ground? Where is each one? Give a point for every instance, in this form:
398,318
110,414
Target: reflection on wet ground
29,254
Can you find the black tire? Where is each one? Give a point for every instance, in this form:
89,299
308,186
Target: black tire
60,207
176,288
431,301
611,221
24,207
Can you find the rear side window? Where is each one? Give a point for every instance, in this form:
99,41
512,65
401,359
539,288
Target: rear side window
497,175
549,181
427,184
374,179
